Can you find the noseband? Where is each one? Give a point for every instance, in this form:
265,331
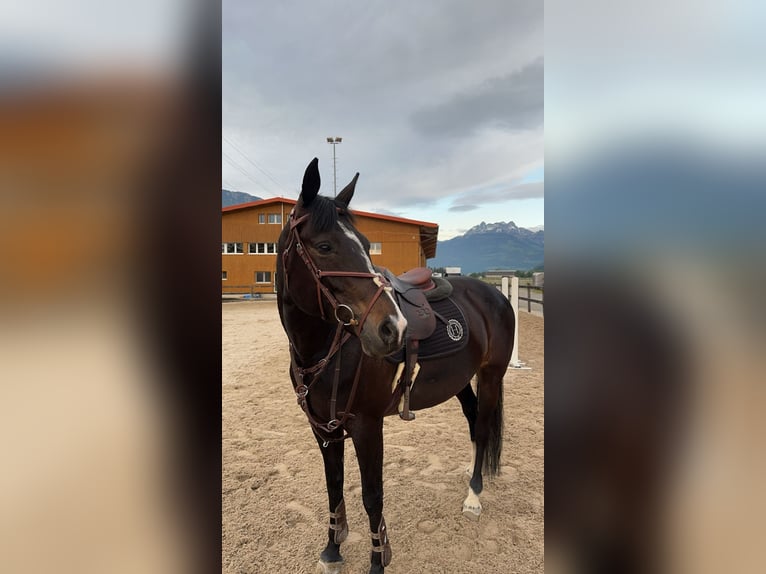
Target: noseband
323,430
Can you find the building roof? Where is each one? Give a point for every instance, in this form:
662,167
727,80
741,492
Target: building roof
428,231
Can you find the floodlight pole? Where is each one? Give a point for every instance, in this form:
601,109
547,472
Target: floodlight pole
334,141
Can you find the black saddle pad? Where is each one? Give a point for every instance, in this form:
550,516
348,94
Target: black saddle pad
450,335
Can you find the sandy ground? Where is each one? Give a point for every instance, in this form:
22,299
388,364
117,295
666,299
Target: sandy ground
274,499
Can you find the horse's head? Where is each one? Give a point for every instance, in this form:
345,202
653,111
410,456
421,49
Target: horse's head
324,268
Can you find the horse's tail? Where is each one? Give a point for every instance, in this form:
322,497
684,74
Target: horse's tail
495,442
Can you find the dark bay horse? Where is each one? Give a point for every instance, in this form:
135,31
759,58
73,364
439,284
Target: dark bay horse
342,321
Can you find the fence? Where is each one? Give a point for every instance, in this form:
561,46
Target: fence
534,302
530,300
233,290
510,289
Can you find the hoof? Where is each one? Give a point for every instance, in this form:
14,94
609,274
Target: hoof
471,512
329,567
471,505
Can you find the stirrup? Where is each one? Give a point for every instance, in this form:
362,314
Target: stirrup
383,548
407,414
338,523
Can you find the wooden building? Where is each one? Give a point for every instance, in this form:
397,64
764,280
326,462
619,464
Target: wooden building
250,232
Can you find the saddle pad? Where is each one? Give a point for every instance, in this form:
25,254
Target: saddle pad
450,335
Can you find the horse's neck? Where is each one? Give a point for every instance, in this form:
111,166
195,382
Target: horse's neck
310,336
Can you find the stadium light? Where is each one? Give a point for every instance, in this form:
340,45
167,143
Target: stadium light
333,141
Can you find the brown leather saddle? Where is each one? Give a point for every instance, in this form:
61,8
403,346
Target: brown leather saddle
411,292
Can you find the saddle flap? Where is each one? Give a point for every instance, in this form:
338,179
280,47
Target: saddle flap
421,321
412,302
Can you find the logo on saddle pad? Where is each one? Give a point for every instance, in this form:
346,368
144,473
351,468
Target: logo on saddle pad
454,330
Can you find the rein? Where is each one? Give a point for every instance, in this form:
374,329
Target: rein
323,430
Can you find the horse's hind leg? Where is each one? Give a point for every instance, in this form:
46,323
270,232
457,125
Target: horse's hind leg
488,434
469,404
330,561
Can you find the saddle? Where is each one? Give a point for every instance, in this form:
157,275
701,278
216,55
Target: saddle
412,291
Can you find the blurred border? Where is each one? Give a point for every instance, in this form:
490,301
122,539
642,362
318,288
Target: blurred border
654,265
109,295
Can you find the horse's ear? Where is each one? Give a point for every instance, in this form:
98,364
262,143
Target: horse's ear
348,192
311,183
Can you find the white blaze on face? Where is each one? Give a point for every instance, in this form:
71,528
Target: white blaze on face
401,322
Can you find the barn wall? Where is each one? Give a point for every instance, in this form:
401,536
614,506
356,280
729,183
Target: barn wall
242,227
400,245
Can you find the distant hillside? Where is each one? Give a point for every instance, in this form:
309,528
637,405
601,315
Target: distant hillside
236,197
491,246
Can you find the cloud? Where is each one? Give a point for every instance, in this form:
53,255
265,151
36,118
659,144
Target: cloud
364,71
499,194
513,102
530,190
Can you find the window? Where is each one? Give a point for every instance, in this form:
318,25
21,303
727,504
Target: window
231,248
275,218
224,276
263,276
261,248
261,218
376,249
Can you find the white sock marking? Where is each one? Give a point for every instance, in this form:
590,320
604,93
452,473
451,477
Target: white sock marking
471,503
469,470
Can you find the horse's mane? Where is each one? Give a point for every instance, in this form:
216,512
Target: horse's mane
325,212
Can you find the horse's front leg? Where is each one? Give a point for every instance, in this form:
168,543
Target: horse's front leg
368,443
330,561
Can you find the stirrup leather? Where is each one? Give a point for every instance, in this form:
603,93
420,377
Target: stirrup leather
409,375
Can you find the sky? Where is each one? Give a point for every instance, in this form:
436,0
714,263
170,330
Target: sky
439,104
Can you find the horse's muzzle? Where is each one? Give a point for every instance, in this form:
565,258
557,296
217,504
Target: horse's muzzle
385,338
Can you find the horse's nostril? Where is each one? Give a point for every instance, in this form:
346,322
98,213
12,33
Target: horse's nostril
388,332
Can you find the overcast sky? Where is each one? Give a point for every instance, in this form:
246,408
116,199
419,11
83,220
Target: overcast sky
439,104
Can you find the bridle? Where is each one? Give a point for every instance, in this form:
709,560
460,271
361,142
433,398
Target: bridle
294,239
323,430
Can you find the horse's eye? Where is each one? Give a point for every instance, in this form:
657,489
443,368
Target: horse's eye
324,247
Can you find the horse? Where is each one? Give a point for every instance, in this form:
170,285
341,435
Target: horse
343,323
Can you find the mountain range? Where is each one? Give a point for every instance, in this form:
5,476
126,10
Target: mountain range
488,246
236,197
